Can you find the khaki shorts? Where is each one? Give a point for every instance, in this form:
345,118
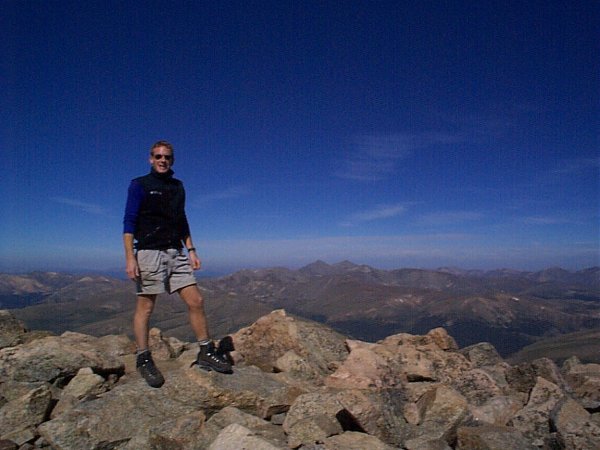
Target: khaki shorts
163,271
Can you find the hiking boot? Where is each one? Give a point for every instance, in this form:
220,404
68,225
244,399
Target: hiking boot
224,349
210,359
148,370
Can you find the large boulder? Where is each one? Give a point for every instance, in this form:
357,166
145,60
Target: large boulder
56,357
398,360
280,342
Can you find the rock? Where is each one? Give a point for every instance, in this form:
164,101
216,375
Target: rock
312,430
115,345
496,411
25,412
296,366
227,416
364,368
352,440
249,389
236,437
574,427
426,443
441,338
180,433
159,346
523,377
121,413
442,410
321,404
397,360
85,384
55,357
534,419
376,412
482,354
11,329
310,389
477,386
267,340
584,380
491,437
6,444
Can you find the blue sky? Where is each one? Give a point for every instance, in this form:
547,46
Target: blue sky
395,134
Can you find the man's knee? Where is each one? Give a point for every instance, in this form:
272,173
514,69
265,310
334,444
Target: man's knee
192,297
144,306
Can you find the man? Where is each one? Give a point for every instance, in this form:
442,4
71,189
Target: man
155,230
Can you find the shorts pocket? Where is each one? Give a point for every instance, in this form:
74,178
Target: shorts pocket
148,261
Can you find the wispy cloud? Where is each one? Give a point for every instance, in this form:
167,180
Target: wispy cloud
576,166
90,208
226,194
379,212
450,217
375,157
547,220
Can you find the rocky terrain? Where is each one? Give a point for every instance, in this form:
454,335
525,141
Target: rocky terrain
297,384
507,308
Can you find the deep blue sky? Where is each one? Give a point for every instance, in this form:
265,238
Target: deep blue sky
395,134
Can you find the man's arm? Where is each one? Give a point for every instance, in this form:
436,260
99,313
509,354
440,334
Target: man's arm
193,255
131,265
135,195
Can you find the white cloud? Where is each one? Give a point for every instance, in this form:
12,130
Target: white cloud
226,194
547,220
376,157
576,166
380,212
448,217
89,208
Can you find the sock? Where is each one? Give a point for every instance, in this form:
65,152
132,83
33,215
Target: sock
203,341
139,352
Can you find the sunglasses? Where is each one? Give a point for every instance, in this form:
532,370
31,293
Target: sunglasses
159,157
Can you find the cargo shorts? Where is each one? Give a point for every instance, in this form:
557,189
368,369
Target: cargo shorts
163,271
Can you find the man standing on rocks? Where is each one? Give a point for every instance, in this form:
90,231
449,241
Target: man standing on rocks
154,233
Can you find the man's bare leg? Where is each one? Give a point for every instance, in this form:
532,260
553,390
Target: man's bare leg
193,299
208,357
141,318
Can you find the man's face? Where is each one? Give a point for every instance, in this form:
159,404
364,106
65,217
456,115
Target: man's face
161,159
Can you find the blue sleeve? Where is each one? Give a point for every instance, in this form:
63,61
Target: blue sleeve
186,227
135,195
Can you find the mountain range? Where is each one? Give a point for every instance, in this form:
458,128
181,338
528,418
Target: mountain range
510,309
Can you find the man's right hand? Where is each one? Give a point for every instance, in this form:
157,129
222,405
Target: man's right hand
132,269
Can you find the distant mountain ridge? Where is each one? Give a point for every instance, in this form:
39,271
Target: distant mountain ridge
510,309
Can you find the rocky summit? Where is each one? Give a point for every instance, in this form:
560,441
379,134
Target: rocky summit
296,384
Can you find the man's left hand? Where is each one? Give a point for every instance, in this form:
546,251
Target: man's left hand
195,261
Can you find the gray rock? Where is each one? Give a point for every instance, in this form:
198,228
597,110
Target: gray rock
584,381
86,384
120,414
11,329
534,419
25,412
491,437
426,443
482,354
267,340
7,444
523,377
55,357
442,410
352,440
477,386
236,437
574,427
